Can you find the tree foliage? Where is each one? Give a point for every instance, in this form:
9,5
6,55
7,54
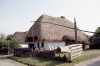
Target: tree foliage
87,36
8,42
14,43
4,44
95,43
97,32
10,37
2,36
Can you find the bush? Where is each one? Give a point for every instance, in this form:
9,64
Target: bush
4,44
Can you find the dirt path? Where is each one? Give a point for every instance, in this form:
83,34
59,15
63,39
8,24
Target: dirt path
9,62
90,62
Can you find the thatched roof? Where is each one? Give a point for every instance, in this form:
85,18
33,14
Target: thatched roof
20,36
54,29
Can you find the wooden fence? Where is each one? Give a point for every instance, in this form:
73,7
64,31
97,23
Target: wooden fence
75,51
4,52
44,54
22,52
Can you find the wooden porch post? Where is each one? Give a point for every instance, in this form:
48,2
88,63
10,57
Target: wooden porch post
32,39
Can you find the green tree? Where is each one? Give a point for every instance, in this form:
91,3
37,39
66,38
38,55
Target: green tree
2,36
13,43
97,32
10,37
96,35
8,42
87,36
4,44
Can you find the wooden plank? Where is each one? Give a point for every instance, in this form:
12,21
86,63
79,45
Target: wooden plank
65,49
76,51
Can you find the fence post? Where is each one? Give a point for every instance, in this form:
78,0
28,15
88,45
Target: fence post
70,56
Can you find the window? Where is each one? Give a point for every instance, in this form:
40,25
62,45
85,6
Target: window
42,44
38,44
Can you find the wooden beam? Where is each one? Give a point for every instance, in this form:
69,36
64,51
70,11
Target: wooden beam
64,26
75,28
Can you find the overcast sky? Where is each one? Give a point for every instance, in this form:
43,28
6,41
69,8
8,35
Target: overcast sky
16,15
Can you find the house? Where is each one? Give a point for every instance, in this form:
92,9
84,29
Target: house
20,36
51,32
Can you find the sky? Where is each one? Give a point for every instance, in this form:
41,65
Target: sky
16,15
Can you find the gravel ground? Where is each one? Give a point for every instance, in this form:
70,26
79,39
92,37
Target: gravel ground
9,62
90,62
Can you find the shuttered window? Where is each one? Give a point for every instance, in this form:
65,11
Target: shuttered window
42,44
38,44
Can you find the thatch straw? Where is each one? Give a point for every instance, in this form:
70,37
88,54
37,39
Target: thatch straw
55,29
20,36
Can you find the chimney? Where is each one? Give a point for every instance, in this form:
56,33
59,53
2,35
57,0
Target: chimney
62,16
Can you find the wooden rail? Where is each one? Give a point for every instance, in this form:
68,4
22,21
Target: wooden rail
75,51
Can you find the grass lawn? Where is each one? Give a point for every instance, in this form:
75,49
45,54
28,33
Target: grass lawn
35,61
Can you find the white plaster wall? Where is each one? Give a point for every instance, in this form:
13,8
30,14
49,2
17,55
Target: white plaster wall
53,45
24,45
40,44
49,45
35,44
46,45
